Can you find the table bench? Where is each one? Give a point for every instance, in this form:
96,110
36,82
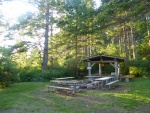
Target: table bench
54,88
111,83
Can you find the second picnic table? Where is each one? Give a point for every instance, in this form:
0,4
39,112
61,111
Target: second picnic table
68,82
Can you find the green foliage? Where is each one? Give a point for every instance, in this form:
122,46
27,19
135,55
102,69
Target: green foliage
144,53
8,70
139,68
115,28
144,48
123,69
111,49
29,74
20,47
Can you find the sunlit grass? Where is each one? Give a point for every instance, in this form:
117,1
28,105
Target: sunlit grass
135,97
2,90
33,97
137,93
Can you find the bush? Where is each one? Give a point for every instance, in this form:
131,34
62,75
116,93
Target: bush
138,71
31,74
139,68
8,72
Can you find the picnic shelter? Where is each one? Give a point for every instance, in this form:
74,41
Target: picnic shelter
102,59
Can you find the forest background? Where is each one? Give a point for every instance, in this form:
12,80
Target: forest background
52,41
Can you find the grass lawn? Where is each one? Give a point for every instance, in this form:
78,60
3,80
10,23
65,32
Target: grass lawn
33,97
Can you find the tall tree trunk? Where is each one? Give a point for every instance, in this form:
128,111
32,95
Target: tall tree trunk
126,50
76,55
51,34
148,28
128,44
45,55
133,44
90,47
120,45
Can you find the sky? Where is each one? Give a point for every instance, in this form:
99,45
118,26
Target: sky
12,10
18,7
98,3
15,8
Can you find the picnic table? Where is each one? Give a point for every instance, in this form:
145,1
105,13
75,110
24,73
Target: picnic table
103,81
73,83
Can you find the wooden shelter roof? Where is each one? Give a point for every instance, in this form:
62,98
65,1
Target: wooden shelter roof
103,58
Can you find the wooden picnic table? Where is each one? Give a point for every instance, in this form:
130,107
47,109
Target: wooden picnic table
103,81
69,82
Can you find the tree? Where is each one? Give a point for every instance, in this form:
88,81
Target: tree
37,26
78,16
45,54
8,68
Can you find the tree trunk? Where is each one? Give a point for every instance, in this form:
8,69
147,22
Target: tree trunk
148,28
128,44
90,46
51,34
76,55
126,49
133,44
120,45
45,55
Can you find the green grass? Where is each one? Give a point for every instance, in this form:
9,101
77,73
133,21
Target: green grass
32,97
137,94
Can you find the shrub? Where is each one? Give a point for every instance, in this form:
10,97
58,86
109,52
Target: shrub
8,72
31,74
138,71
139,68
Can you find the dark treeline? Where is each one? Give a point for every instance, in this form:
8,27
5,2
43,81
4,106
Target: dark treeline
117,27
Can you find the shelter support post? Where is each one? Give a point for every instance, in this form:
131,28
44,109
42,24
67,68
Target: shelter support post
89,69
116,69
100,70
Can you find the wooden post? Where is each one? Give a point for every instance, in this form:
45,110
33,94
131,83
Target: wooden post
100,70
116,69
89,69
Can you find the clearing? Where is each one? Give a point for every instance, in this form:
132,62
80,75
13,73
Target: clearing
33,97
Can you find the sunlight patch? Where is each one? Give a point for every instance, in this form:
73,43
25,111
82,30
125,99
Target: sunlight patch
133,97
2,90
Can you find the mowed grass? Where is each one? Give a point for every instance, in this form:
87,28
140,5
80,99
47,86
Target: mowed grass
33,97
